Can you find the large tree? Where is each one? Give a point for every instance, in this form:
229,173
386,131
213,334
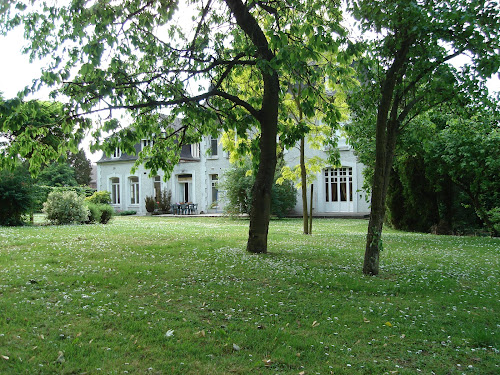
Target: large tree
82,167
406,72
163,59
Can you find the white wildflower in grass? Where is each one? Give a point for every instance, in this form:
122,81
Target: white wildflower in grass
305,305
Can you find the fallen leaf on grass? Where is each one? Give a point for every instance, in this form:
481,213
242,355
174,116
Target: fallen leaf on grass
5,357
236,347
388,324
315,324
169,333
267,362
366,320
200,333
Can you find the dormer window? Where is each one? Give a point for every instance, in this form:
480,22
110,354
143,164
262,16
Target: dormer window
195,150
117,153
146,143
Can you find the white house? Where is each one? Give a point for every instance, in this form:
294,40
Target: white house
194,179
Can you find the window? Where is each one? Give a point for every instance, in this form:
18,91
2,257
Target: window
195,150
157,187
213,146
146,143
214,179
117,153
134,190
338,184
115,190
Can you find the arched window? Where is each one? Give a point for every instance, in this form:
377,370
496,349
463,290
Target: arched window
115,190
134,190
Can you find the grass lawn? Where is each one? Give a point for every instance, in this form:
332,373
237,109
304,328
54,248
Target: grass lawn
149,295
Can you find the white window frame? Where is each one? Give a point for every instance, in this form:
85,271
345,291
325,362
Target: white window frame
115,190
195,150
146,143
117,153
134,190
213,140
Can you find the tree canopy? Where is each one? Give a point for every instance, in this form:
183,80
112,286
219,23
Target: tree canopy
161,60
37,131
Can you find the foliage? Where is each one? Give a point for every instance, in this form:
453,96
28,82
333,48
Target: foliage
427,316
94,213
107,213
16,196
65,207
103,197
463,152
165,201
227,67
127,213
494,215
237,184
82,167
283,199
57,174
406,71
100,213
37,131
150,204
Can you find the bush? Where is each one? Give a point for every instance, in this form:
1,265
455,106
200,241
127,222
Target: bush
94,213
99,213
283,198
127,213
237,185
107,213
164,204
65,207
16,196
150,204
100,197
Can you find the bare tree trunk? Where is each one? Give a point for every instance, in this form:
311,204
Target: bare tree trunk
385,144
260,212
311,215
303,180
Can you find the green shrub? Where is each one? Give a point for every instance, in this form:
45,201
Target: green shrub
283,198
494,215
16,196
99,213
94,213
107,213
100,197
127,213
150,204
237,185
164,205
65,207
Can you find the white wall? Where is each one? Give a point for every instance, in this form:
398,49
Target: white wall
208,165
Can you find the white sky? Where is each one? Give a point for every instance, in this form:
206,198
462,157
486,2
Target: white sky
16,72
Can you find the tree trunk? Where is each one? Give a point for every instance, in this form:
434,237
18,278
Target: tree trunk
385,143
303,181
260,212
311,214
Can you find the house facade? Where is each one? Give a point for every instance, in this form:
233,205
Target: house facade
195,179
